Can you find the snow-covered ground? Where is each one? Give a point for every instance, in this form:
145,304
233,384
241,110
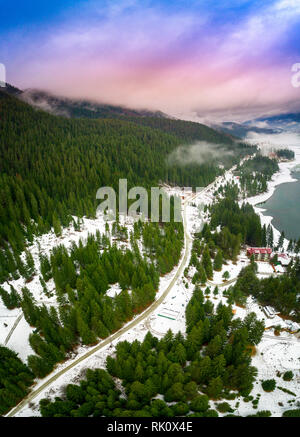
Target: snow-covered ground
138,332
274,354
14,330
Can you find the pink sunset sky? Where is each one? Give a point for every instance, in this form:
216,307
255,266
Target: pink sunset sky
227,60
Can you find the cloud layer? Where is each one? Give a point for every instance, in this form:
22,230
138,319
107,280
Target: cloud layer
199,153
184,60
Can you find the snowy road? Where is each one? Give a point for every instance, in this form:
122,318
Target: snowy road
187,244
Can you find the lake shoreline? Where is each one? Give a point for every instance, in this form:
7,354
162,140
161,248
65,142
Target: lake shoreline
283,176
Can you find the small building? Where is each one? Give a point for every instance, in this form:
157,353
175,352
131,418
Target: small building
273,155
260,253
283,259
269,312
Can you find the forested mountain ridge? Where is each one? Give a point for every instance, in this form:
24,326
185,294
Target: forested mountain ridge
76,108
52,166
81,108
188,131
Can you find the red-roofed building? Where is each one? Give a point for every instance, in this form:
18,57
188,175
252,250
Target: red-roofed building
260,253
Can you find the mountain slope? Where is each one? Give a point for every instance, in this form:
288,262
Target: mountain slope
52,166
80,108
187,131
76,108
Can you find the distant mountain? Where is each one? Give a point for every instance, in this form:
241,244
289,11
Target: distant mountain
262,125
241,130
287,122
281,118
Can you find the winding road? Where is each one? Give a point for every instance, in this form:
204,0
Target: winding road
187,243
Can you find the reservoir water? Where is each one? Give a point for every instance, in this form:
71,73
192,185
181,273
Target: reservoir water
284,207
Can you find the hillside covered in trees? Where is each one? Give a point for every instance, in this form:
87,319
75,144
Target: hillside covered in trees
15,379
51,167
255,174
78,108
